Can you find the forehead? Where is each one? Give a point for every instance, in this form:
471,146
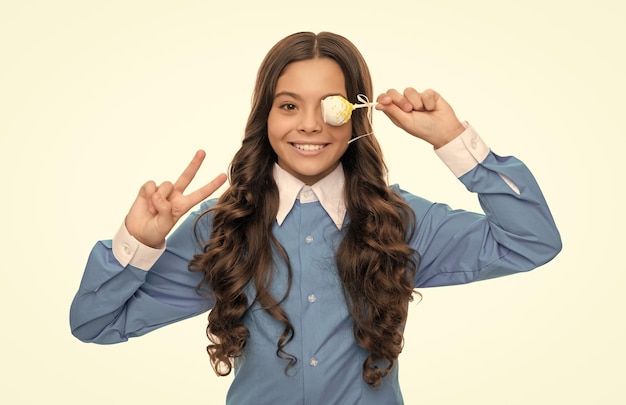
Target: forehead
312,76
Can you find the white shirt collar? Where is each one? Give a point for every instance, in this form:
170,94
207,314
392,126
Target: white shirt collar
328,191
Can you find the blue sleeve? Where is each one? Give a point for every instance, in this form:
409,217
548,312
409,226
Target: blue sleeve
114,303
516,233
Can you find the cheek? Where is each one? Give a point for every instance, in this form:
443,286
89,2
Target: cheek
277,126
272,130
345,132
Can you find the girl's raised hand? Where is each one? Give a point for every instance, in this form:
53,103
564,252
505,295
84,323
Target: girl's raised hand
157,208
424,115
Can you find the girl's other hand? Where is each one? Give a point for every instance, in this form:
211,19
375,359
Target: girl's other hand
424,115
157,208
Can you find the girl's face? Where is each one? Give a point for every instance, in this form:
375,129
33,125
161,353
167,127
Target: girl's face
306,146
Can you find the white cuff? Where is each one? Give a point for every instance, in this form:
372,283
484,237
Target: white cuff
128,250
464,152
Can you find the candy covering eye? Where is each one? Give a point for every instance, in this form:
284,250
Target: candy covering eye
336,110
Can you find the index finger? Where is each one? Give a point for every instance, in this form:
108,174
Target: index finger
204,192
190,172
400,100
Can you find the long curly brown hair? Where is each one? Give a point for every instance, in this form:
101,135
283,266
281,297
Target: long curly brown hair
375,263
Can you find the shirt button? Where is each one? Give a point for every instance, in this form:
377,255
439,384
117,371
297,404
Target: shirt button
312,298
313,362
127,249
308,239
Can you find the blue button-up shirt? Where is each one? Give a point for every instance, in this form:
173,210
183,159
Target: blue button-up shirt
128,289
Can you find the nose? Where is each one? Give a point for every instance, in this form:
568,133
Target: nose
310,121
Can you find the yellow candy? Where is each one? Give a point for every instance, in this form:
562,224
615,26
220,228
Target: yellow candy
336,110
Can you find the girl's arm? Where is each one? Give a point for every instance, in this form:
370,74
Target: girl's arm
134,284
129,289
516,233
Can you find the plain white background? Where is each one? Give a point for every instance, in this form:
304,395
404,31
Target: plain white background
98,97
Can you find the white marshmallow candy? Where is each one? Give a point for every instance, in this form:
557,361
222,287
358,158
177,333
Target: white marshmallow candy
337,111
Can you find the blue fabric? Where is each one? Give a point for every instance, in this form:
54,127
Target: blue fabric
517,234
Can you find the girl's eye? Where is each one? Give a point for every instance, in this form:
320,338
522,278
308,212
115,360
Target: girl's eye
288,106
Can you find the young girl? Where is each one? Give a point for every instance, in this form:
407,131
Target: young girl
309,259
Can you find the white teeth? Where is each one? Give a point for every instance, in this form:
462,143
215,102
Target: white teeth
308,147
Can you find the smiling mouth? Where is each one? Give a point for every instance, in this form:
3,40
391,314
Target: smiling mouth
308,147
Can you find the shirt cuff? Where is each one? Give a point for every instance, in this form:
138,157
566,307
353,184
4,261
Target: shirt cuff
128,250
464,152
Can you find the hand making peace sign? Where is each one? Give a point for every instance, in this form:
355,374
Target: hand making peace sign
157,209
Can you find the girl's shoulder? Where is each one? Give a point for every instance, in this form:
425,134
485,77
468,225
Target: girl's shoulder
419,205
409,197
